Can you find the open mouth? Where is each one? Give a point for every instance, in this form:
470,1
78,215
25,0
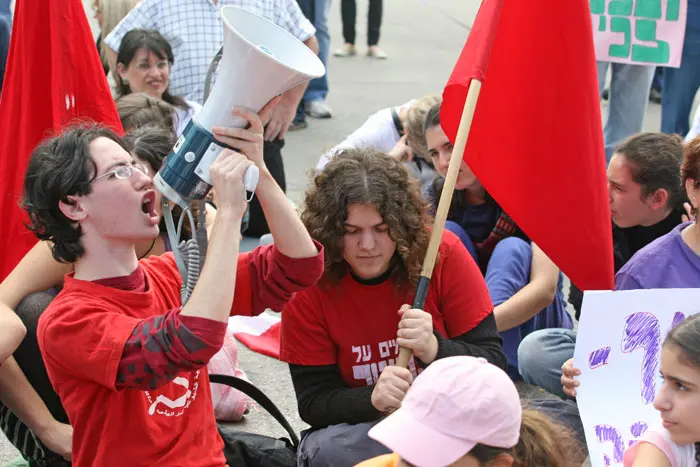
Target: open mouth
148,204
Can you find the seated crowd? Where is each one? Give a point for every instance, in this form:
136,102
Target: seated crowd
95,334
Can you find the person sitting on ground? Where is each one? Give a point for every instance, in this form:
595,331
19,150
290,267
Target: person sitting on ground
143,65
525,285
675,440
465,412
672,261
117,344
397,131
340,336
646,202
33,418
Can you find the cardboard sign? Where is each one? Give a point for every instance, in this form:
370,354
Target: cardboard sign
648,32
618,347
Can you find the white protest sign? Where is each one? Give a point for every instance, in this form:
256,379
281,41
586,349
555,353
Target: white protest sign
639,31
617,350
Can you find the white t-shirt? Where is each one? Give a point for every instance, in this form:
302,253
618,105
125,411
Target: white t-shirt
677,455
378,132
183,116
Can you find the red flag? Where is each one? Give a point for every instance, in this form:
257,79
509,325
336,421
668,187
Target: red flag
260,333
53,78
536,141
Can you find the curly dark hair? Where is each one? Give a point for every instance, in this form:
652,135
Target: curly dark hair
61,167
367,176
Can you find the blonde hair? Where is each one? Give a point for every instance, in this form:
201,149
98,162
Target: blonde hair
542,442
113,11
413,125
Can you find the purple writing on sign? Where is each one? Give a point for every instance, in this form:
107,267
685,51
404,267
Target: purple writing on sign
608,434
642,332
598,357
677,318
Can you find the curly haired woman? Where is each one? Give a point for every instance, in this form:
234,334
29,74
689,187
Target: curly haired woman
341,337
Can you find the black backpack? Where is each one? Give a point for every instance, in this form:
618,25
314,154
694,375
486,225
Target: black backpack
245,449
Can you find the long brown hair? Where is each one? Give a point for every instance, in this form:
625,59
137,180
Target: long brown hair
542,443
367,176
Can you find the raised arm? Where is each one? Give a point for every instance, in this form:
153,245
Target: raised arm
531,299
291,237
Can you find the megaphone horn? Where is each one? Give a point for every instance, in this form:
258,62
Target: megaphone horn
260,61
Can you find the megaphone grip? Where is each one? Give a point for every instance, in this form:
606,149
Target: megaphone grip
251,178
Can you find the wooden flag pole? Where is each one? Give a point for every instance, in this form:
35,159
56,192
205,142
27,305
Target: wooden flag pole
465,124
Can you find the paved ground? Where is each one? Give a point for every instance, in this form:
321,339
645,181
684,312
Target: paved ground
423,40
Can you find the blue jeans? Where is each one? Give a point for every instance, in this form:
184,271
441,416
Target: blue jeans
541,355
629,95
681,84
318,87
507,272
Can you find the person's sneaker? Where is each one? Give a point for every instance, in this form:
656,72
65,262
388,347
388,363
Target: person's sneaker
318,109
347,50
376,52
294,126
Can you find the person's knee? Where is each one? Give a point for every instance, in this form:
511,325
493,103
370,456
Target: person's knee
32,306
515,248
531,350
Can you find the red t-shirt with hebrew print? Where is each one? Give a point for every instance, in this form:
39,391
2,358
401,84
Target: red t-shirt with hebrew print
354,325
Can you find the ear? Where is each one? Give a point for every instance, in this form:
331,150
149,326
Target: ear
73,209
692,193
659,198
121,70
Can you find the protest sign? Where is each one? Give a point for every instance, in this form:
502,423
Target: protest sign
639,31
617,350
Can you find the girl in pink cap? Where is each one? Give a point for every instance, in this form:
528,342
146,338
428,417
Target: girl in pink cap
466,412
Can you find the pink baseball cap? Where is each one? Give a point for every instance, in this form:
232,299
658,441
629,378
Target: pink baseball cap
455,404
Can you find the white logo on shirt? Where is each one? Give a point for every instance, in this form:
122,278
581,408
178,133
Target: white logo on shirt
188,394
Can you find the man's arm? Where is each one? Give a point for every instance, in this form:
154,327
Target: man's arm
286,109
532,298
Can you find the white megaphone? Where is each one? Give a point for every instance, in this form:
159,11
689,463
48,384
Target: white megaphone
260,61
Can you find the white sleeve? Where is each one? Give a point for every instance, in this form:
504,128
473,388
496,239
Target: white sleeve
142,16
292,19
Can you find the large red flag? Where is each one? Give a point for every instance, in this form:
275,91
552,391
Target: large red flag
53,78
536,140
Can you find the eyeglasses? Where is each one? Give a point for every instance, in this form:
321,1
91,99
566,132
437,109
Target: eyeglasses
123,172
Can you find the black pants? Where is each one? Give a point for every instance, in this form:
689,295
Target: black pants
257,225
348,13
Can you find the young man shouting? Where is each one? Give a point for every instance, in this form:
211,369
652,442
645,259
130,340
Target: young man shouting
127,360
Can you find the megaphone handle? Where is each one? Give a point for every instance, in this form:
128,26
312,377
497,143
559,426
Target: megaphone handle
250,179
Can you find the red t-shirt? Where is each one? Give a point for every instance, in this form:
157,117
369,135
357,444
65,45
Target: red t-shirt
354,325
82,335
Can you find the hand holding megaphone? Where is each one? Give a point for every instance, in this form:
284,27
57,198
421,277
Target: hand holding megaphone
227,174
248,141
